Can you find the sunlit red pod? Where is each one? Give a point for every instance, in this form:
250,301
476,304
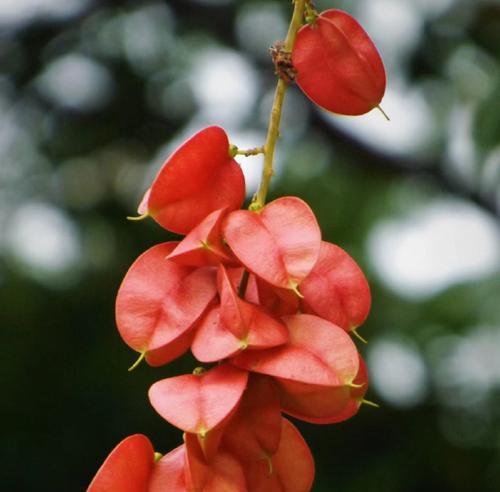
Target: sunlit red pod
323,404
318,352
128,467
338,66
291,468
169,473
246,320
336,289
280,302
197,403
280,243
197,179
204,245
185,469
214,341
158,303
222,472
254,432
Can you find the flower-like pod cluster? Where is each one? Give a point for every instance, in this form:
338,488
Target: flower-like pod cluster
264,304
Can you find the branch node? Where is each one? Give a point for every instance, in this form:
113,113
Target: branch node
282,60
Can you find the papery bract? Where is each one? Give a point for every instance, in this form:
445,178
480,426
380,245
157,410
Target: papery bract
159,301
127,468
318,352
197,179
336,289
213,341
338,66
220,473
196,468
203,245
357,392
254,432
280,302
312,402
246,320
185,470
226,475
291,468
235,325
169,473
323,404
280,243
196,403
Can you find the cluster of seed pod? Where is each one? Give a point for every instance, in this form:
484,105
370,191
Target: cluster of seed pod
256,295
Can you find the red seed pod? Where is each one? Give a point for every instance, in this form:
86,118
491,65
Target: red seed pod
169,473
196,403
254,432
203,245
280,302
338,66
245,320
279,243
196,467
128,467
291,468
158,303
222,472
197,179
318,352
323,404
235,325
336,289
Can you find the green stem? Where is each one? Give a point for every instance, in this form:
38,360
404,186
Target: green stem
259,199
358,336
234,151
142,355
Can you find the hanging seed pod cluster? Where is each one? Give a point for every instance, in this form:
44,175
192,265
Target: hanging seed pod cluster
262,302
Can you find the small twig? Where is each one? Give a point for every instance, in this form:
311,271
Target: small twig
259,199
234,151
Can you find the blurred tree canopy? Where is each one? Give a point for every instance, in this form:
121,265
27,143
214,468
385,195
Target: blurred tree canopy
94,94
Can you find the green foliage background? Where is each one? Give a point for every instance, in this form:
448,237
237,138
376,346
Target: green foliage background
67,397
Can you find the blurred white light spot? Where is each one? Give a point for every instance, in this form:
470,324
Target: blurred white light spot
461,151
42,239
148,37
467,368
14,14
394,25
461,160
224,85
398,372
259,26
472,73
76,82
444,243
410,130
103,33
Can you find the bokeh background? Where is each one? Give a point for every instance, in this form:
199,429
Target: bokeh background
94,94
